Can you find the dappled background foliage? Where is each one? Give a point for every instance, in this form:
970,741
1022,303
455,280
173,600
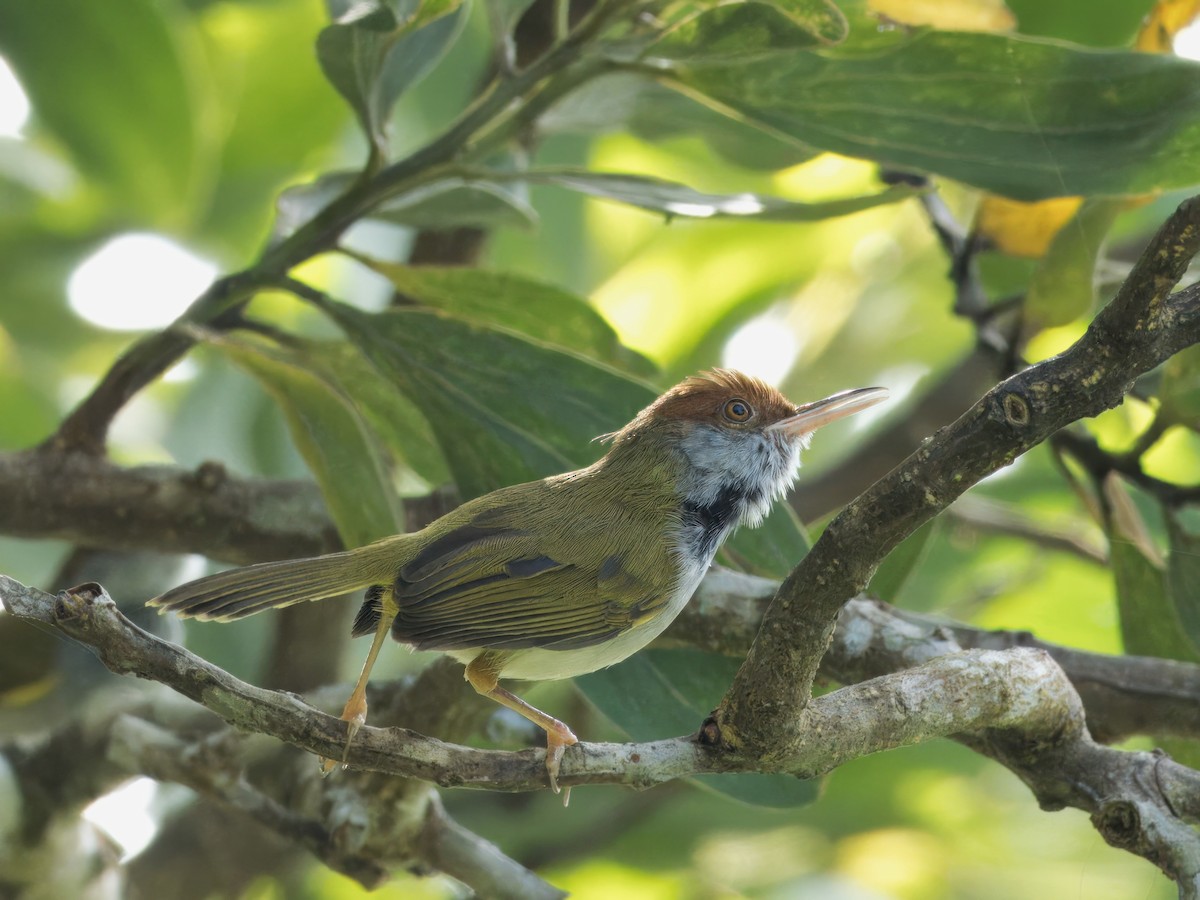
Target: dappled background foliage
746,190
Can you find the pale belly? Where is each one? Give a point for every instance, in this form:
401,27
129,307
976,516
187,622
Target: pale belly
547,665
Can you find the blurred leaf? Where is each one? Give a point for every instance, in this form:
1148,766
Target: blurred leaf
665,693
1126,522
948,15
673,199
1024,118
300,203
28,657
329,434
1064,284
394,418
772,549
893,573
533,308
823,19
1166,20
1097,23
1150,619
508,12
655,113
1183,577
455,202
750,30
505,409
1180,389
273,129
111,81
448,203
1150,625
1023,229
376,50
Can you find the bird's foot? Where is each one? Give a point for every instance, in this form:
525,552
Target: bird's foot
557,741
355,716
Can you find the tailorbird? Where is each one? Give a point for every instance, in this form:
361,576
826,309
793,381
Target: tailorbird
567,575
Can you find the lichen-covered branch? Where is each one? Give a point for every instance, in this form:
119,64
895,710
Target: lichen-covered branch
1016,706
1141,328
427,838
1122,695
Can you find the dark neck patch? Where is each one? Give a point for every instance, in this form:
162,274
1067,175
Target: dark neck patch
706,525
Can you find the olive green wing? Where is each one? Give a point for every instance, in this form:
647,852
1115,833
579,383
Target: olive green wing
499,588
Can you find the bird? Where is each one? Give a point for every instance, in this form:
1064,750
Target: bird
567,575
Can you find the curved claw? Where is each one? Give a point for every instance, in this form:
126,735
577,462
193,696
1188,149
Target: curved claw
355,716
557,741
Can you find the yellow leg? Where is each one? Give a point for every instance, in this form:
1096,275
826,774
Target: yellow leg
354,714
483,673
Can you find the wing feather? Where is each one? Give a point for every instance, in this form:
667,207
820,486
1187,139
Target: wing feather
494,588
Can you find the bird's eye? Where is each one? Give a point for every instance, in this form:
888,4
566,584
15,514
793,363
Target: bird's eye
737,410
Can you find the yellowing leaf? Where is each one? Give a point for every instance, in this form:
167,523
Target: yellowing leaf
1167,19
948,15
1023,229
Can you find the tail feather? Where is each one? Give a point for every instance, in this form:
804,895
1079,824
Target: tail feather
236,593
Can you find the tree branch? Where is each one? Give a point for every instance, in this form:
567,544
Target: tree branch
89,501
212,767
362,829
1015,706
1123,695
1140,329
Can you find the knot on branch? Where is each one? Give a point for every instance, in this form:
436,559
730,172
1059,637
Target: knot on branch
1120,823
1016,410
209,476
710,734
74,604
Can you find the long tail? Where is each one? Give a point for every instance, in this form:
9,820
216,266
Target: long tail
237,593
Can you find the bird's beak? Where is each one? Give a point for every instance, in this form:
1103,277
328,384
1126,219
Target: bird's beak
811,416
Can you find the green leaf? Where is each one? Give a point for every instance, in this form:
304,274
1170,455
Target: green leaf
626,100
772,549
1151,616
664,693
456,202
734,33
673,199
1180,391
1150,624
1064,284
392,416
330,435
534,308
823,19
1021,117
505,408
1183,578
377,50
114,83
889,579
